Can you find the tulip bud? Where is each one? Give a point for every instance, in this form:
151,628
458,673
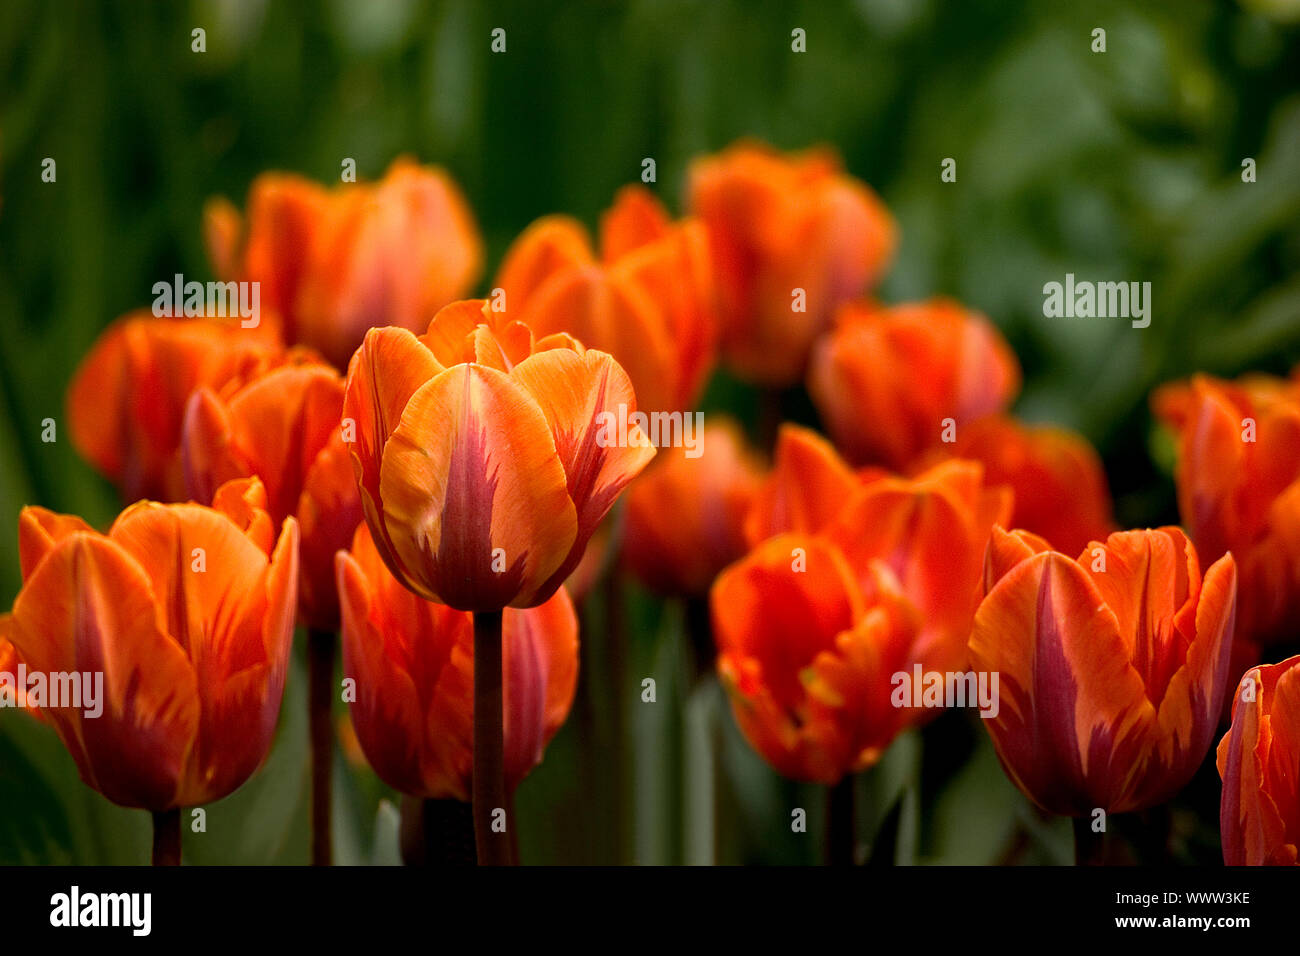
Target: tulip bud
1238,481
1259,815
332,264
193,653
283,426
893,382
791,238
413,664
127,399
485,457
647,300
1112,667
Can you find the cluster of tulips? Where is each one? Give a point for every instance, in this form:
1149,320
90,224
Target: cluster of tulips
380,458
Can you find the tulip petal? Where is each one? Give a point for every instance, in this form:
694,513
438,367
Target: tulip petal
412,661
474,494
584,397
635,219
39,530
1191,704
385,372
1073,720
774,612
808,486
549,246
540,666
89,607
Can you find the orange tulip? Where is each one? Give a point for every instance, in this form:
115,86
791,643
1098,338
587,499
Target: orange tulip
187,612
928,532
1238,482
1112,667
1259,761
685,518
889,380
283,426
1057,478
780,225
127,399
807,657
647,300
333,264
486,458
9,666
413,663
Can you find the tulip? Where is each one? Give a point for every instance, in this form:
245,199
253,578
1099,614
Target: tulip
927,532
1112,667
647,299
283,426
187,612
333,264
127,398
9,666
413,664
485,457
685,517
807,656
1057,478
1238,478
791,237
1259,815
892,382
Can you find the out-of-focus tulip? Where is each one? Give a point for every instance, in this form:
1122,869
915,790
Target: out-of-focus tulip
927,533
283,426
1259,761
187,613
1238,479
127,399
1112,667
887,379
9,666
647,300
685,518
1059,484
791,237
486,458
334,263
413,663
807,657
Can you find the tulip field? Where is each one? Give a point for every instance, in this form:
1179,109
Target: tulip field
651,433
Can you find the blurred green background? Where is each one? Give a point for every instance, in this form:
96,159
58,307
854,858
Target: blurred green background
1123,165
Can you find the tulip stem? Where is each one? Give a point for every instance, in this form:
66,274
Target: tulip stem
1089,846
320,651
700,631
841,827
167,837
489,784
